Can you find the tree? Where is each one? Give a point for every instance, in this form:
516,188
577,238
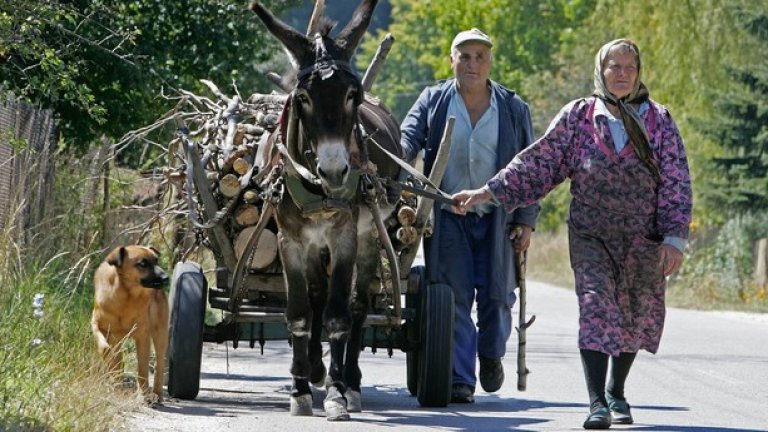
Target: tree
102,65
739,123
526,34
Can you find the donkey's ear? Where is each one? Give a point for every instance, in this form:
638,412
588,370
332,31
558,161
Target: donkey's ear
296,43
350,37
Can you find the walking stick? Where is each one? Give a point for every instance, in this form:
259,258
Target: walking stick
522,369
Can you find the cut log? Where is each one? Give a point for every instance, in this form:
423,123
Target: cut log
266,248
251,196
229,185
247,215
241,166
406,216
407,235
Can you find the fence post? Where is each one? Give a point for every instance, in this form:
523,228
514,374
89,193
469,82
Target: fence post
760,275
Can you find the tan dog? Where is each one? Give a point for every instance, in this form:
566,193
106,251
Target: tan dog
129,302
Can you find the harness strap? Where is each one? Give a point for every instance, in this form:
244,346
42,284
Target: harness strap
295,167
407,167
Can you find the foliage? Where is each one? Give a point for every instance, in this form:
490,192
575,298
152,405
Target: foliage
739,122
526,34
554,208
103,64
720,264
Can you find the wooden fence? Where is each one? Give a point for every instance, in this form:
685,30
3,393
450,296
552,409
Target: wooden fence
28,139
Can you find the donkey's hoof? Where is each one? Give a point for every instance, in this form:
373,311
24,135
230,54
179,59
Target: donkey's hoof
335,406
335,410
301,405
354,401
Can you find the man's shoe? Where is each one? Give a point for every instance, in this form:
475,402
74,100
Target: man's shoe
491,374
463,393
600,418
620,412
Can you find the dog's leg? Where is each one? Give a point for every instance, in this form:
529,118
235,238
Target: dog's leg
112,354
158,314
141,337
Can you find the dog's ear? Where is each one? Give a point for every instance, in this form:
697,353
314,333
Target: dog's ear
117,257
157,252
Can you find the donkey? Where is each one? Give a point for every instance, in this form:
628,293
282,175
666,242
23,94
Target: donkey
332,180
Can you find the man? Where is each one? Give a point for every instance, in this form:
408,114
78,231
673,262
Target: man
473,253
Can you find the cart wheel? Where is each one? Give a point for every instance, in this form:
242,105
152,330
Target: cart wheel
416,285
435,356
188,292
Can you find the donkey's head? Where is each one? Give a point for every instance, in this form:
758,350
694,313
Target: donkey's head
327,91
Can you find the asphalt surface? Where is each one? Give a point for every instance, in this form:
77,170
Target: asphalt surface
711,374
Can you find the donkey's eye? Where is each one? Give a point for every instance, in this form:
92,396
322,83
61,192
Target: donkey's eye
303,99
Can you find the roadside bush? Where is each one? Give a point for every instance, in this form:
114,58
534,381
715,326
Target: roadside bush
718,269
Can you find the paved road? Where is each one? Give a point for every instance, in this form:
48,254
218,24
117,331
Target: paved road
711,374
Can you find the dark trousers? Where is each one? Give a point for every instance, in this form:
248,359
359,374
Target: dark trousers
464,264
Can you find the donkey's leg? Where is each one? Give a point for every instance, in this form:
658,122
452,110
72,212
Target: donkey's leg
317,278
298,316
352,374
367,261
337,319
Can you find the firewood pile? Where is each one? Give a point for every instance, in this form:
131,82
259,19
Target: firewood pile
229,135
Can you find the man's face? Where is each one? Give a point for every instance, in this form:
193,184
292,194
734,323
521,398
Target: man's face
471,64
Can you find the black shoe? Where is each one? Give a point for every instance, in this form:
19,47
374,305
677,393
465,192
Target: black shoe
598,419
620,412
463,393
491,374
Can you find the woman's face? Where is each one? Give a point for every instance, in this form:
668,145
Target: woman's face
620,72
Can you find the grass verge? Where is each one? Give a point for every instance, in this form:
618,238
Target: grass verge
52,378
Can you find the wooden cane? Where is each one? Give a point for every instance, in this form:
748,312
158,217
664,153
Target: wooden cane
522,369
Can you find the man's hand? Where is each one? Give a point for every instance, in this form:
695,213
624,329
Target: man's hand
521,237
466,199
670,258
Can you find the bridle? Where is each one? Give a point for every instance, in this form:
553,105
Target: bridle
301,180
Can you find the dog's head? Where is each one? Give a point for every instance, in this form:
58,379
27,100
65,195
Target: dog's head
138,264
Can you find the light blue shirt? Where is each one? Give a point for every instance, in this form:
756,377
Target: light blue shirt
474,151
620,140
618,133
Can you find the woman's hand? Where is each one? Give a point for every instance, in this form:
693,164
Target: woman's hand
671,259
466,199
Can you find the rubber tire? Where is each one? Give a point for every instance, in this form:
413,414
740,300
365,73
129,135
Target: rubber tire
189,290
413,301
436,354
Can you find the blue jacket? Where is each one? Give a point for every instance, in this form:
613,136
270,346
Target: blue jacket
423,128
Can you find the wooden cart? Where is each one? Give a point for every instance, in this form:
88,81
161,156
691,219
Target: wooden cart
217,167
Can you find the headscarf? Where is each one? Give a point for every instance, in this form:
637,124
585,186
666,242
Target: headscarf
628,105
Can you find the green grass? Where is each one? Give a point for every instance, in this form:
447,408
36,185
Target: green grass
548,259
52,378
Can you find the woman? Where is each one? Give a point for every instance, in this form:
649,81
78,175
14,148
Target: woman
629,216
